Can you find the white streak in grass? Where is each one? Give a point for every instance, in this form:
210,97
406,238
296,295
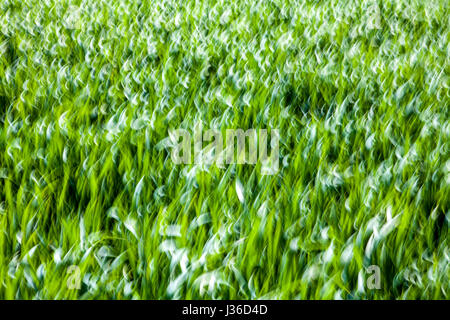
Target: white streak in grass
138,190
240,190
130,224
82,233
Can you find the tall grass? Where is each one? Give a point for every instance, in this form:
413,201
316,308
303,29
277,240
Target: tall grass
359,91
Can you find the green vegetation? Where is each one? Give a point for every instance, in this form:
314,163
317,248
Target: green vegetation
359,91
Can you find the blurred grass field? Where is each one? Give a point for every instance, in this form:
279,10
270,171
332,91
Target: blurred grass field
359,91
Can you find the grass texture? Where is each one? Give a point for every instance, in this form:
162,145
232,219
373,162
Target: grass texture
359,91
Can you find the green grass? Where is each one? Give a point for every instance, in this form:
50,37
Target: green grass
86,177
